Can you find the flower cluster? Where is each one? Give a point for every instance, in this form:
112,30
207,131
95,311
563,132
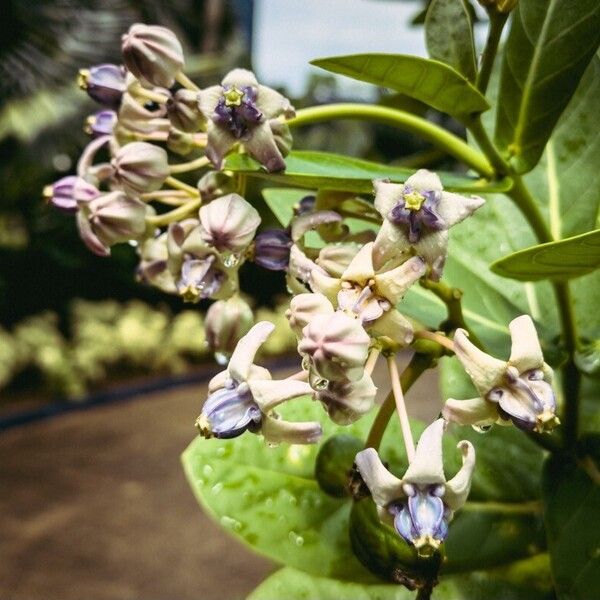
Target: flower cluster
347,285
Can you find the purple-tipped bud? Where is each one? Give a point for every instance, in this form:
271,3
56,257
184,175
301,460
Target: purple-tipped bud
140,167
65,193
101,123
227,321
183,110
306,205
152,53
272,249
104,83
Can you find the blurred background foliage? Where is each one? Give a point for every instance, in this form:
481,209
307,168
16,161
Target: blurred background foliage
63,310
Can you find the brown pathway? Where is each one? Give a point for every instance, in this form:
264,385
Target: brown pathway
94,506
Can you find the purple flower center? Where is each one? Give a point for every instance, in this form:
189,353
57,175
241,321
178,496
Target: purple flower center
417,210
237,110
200,279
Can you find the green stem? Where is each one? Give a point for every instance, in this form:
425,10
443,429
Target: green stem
192,165
475,126
415,368
175,215
497,22
441,138
180,185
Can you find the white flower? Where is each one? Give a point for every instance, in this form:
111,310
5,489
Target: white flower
243,398
421,504
518,390
417,215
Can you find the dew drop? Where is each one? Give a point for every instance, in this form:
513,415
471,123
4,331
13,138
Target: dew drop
207,470
221,451
321,384
232,260
269,502
222,358
230,523
216,489
296,539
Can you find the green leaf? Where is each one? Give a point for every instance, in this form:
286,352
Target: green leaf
296,585
429,81
557,261
449,36
549,47
571,495
324,170
281,201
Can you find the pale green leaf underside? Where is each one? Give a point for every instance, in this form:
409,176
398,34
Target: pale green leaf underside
449,36
560,260
549,47
324,170
429,81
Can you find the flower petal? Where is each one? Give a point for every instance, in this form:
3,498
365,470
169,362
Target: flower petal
427,468
243,355
433,248
476,411
424,181
208,99
391,241
485,371
240,78
219,142
394,325
387,195
268,393
360,268
325,285
261,146
385,487
393,284
277,430
273,104
457,489
526,352
454,208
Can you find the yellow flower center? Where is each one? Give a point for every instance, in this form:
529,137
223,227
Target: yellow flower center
233,96
413,200
190,293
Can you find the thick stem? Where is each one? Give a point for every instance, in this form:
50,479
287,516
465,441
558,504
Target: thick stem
372,361
175,215
186,82
441,138
415,368
407,436
433,336
192,165
497,22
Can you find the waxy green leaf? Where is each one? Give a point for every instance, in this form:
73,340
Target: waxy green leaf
565,259
324,170
449,36
571,494
429,81
551,42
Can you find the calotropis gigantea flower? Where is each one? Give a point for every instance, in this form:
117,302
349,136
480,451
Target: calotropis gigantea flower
152,53
153,268
199,269
336,346
517,390
416,217
110,219
243,398
241,110
228,224
421,504
104,83
372,296
65,193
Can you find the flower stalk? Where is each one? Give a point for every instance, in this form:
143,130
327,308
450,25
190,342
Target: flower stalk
407,437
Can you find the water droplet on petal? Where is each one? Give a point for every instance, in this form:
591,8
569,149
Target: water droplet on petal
216,489
481,428
232,260
207,470
222,358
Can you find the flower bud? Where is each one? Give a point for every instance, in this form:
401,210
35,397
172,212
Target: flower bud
180,142
101,123
305,206
337,346
141,119
304,307
152,53
110,219
152,269
227,321
103,83
335,258
66,192
215,184
272,249
140,167
229,223
184,111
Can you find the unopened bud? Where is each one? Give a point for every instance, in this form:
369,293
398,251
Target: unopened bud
152,53
65,193
141,119
180,142
272,249
215,184
140,167
184,111
227,321
303,308
104,83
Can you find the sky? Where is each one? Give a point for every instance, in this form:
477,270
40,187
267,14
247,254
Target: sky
301,30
